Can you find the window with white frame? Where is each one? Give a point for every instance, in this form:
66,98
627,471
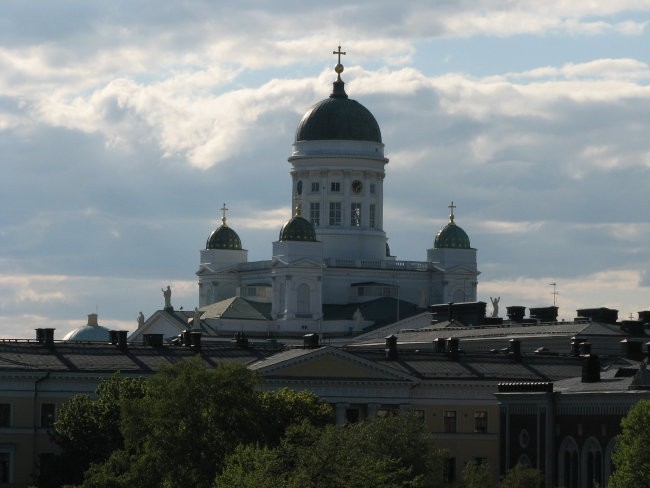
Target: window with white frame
314,213
335,213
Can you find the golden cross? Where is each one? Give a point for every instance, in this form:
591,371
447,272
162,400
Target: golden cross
223,212
339,52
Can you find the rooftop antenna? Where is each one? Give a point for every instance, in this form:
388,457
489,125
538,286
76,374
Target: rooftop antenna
555,293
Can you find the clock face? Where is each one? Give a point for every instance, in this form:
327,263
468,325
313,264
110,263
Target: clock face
299,187
356,186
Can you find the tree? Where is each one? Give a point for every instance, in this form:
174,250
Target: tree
631,457
522,477
179,433
477,475
380,453
87,430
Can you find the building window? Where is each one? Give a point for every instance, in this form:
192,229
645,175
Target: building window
449,421
480,421
5,467
335,186
5,415
303,299
315,186
48,411
372,188
335,213
314,213
355,214
449,470
372,216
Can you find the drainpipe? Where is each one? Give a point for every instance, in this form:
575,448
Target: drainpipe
34,421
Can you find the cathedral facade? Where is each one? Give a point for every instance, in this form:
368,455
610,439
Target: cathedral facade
331,269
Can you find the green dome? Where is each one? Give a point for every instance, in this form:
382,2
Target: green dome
338,118
451,236
224,238
298,229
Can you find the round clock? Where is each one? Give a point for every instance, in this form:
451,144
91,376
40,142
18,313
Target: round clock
356,186
299,187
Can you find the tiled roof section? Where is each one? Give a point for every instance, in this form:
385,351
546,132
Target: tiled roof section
281,357
237,308
480,366
85,357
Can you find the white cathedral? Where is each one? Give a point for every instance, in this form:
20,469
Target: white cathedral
331,271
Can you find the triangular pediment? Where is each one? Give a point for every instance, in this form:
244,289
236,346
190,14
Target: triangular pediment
169,324
328,363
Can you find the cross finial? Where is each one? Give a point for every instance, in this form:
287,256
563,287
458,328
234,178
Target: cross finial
339,52
339,67
223,209
451,215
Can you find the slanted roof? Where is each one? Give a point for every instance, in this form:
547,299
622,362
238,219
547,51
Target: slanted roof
237,308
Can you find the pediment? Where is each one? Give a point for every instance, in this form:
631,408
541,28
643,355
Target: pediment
328,363
160,322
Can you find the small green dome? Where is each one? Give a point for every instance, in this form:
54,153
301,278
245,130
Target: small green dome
298,229
451,236
224,238
338,118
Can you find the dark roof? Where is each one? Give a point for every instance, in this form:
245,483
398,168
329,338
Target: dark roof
451,236
298,229
88,357
480,366
338,118
237,308
223,238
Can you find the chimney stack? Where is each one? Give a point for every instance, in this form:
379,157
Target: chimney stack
591,369
391,348
310,341
515,349
195,339
121,340
48,337
452,348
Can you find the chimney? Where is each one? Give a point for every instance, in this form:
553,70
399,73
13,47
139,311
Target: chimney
515,349
121,340
48,337
92,319
575,346
591,369
438,344
241,340
112,337
310,341
451,348
195,339
450,312
516,313
185,335
585,348
40,336
391,348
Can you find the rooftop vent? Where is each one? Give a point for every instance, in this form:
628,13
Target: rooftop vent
121,340
591,369
310,341
515,349
241,340
516,313
195,340
391,348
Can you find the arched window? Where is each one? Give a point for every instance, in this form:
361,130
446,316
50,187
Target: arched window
303,298
608,468
592,463
568,464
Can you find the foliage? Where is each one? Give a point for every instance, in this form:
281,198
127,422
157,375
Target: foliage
631,456
522,477
87,430
179,434
285,407
477,475
380,453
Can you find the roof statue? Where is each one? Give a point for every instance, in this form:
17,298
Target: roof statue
140,319
167,295
495,306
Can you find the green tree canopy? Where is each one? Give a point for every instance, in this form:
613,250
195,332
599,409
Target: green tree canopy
190,418
631,456
380,453
87,429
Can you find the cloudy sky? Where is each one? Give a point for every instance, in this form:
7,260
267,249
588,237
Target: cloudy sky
125,125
